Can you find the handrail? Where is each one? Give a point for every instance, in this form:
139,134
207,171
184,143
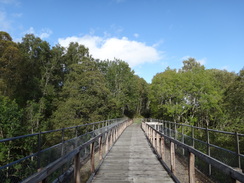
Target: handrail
157,138
111,134
50,131
196,127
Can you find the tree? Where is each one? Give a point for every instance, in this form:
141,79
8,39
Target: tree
10,126
121,82
234,103
10,66
189,95
84,94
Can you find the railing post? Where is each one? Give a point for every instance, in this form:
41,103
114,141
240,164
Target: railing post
191,168
172,157
111,139
238,151
107,142
92,154
158,143
77,168
154,138
100,148
208,151
162,149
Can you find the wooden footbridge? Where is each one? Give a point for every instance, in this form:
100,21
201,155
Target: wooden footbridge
131,160
120,151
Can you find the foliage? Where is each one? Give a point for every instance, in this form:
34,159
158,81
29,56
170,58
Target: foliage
44,88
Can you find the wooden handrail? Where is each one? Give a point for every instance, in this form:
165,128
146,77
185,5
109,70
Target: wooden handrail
48,170
149,130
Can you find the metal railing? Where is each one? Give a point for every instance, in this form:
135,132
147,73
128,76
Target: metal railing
30,153
218,163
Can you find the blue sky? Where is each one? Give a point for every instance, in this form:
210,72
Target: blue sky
148,34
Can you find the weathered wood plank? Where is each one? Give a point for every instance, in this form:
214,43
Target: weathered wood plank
131,160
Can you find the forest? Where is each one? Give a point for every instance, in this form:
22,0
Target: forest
45,87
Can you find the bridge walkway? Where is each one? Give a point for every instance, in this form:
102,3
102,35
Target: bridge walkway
131,161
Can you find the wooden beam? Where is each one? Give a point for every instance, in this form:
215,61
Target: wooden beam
191,168
77,168
172,157
92,155
158,143
100,148
162,148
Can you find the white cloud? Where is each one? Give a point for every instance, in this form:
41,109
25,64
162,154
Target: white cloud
30,31
133,52
202,61
136,35
44,33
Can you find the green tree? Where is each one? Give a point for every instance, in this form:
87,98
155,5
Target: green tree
10,66
10,126
84,94
121,82
234,103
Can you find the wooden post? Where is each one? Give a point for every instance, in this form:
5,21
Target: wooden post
234,180
92,155
114,135
158,143
191,168
44,180
77,168
149,133
100,148
172,157
154,139
162,148
106,147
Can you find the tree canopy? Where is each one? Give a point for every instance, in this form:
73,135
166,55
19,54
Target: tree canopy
54,87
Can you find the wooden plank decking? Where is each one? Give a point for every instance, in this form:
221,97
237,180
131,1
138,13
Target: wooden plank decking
131,160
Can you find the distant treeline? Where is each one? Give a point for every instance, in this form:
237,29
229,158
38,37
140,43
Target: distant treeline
44,87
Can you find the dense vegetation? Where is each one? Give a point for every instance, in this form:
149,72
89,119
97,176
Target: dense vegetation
44,87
